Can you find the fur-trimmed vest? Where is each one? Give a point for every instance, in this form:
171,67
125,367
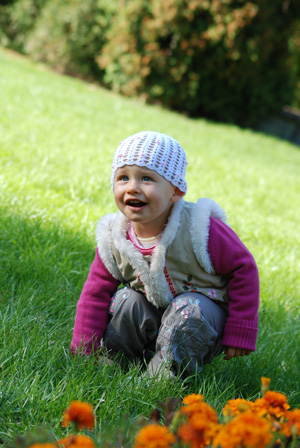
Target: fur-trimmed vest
180,261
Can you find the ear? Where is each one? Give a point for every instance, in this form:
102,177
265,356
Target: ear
177,194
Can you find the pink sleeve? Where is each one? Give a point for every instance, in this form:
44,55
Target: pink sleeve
232,259
91,314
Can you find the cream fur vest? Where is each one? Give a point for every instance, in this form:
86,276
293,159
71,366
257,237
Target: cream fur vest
180,261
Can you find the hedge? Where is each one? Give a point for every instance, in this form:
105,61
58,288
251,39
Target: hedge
229,60
17,19
226,60
68,34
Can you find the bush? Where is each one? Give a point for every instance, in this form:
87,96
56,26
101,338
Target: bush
226,60
17,18
294,43
68,34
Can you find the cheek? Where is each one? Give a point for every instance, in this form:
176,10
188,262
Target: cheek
155,196
160,201
117,195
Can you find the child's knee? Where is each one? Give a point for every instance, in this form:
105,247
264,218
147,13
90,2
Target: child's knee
125,300
131,308
186,337
185,323
204,309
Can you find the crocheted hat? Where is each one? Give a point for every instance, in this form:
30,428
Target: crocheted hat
155,151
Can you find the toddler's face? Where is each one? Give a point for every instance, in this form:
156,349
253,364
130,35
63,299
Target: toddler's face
144,197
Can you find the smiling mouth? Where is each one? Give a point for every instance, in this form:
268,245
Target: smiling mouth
135,203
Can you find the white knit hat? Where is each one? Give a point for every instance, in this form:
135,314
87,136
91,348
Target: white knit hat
155,151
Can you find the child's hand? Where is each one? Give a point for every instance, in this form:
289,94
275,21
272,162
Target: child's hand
233,352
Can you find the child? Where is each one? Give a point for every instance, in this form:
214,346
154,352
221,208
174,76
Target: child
191,286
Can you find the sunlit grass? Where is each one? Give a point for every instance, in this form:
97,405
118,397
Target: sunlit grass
57,138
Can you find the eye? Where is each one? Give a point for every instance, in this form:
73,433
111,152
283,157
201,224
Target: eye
124,178
147,179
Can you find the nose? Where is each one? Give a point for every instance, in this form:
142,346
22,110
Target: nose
133,186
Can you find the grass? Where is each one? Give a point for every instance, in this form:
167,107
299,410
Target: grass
57,138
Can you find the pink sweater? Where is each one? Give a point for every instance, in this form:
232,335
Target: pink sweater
230,259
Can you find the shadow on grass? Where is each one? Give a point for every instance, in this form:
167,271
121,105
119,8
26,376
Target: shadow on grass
36,256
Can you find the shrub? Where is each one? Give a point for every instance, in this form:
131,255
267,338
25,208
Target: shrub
294,43
227,60
17,18
68,34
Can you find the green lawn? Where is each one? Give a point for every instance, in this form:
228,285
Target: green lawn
57,139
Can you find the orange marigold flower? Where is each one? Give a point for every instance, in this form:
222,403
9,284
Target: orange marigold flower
235,407
201,409
192,399
154,436
81,414
43,445
78,441
224,439
247,430
273,404
265,381
201,426
198,431
292,426
200,421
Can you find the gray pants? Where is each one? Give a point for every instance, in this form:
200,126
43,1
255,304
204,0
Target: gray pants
184,336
